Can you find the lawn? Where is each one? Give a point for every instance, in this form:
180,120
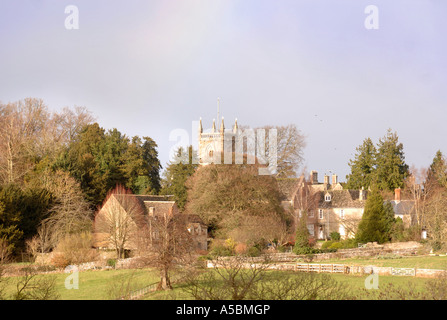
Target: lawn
421,262
355,284
97,285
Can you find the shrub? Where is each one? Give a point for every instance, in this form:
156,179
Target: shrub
254,252
308,250
59,261
220,250
74,249
335,236
240,248
111,263
336,245
327,244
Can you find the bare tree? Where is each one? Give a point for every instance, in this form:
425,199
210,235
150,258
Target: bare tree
413,185
32,286
290,148
167,244
69,214
119,219
230,278
436,218
20,124
28,130
241,277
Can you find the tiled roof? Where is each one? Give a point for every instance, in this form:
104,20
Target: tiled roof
340,199
287,187
403,207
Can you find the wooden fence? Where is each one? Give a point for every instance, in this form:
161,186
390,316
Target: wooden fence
137,294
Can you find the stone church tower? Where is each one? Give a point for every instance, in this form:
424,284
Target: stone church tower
214,144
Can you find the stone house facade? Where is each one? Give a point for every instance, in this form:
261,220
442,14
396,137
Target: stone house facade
131,213
330,208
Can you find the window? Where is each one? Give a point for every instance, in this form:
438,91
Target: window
342,213
311,214
327,197
310,228
320,214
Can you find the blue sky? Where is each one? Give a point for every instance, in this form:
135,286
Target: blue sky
150,67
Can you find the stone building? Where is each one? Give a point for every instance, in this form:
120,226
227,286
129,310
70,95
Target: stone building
330,208
130,213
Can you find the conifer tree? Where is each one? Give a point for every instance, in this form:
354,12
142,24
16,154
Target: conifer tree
391,167
363,166
376,220
176,175
437,172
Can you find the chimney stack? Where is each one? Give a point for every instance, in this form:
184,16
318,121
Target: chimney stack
397,194
326,179
334,179
314,177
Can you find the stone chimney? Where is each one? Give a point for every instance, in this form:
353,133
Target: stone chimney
314,177
326,179
397,194
334,179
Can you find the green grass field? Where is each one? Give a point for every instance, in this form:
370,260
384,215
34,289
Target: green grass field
104,285
422,262
96,285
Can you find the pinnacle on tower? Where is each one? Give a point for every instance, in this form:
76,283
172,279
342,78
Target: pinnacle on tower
235,128
222,127
214,126
200,125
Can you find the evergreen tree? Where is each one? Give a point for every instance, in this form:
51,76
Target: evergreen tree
177,173
391,167
363,166
99,161
437,172
141,167
376,220
302,234
383,165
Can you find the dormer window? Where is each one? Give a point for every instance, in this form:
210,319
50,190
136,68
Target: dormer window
327,197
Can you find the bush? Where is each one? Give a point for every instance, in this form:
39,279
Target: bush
308,250
254,252
111,263
74,249
220,250
327,244
336,245
59,261
240,248
335,236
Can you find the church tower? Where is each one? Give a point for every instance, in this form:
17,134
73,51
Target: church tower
213,144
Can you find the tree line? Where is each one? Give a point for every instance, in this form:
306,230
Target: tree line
57,167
